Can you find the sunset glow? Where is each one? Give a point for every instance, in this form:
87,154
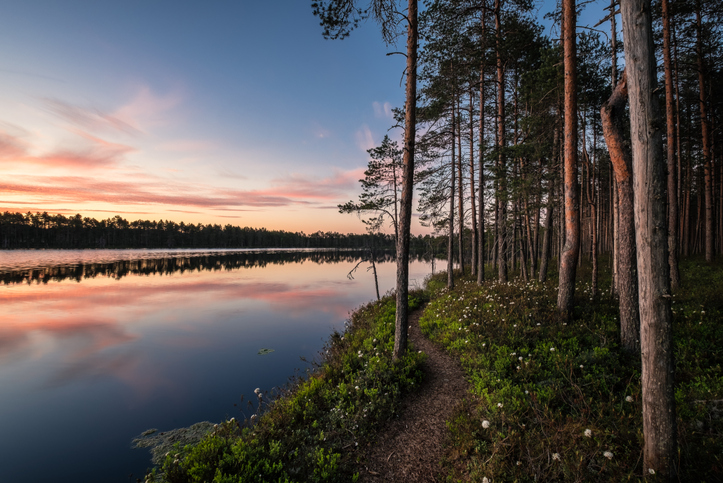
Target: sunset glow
234,113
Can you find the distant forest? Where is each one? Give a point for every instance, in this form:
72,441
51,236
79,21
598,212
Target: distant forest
43,230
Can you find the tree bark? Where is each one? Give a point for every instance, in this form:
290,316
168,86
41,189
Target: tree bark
405,215
659,424
473,206
501,162
547,237
670,138
460,191
568,257
705,139
481,224
613,114
450,245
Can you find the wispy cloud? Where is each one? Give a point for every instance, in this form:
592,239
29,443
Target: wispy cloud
89,118
382,110
147,109
364,138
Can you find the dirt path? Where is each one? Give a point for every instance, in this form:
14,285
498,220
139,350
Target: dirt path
409,448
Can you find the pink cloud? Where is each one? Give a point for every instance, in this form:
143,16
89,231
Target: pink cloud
76,189
330,188
95,153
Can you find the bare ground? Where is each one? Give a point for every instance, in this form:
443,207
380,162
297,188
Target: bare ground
409,448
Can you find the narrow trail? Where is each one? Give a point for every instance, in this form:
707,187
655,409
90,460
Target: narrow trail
409,448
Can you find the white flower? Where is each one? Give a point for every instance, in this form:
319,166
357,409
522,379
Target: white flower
257,391
499,405
588,433
356,387
552,349
485,424
485,480
608,455
556,456
651,471
629,399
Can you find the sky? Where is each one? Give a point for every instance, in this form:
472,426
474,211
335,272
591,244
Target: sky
218,112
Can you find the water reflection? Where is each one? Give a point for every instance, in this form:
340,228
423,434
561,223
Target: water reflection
94,352
25,269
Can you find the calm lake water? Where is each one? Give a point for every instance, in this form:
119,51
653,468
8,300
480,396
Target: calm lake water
97,346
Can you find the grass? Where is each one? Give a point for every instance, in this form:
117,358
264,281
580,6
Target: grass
561,402
313,431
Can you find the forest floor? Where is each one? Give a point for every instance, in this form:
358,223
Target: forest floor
410,447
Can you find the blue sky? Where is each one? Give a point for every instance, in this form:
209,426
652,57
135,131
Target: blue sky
216,112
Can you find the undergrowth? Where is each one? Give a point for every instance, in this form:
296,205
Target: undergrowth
313,431
556,401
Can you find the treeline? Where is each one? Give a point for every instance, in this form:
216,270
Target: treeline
43,230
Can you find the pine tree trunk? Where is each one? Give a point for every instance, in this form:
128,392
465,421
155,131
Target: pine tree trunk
614,200
680,202
612,114
705,139
480,167
659,423
547,236
405,215
473,205
568,257
460,190
688,191
501,162
453,187
670,137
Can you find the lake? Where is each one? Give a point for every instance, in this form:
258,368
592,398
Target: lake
97,346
